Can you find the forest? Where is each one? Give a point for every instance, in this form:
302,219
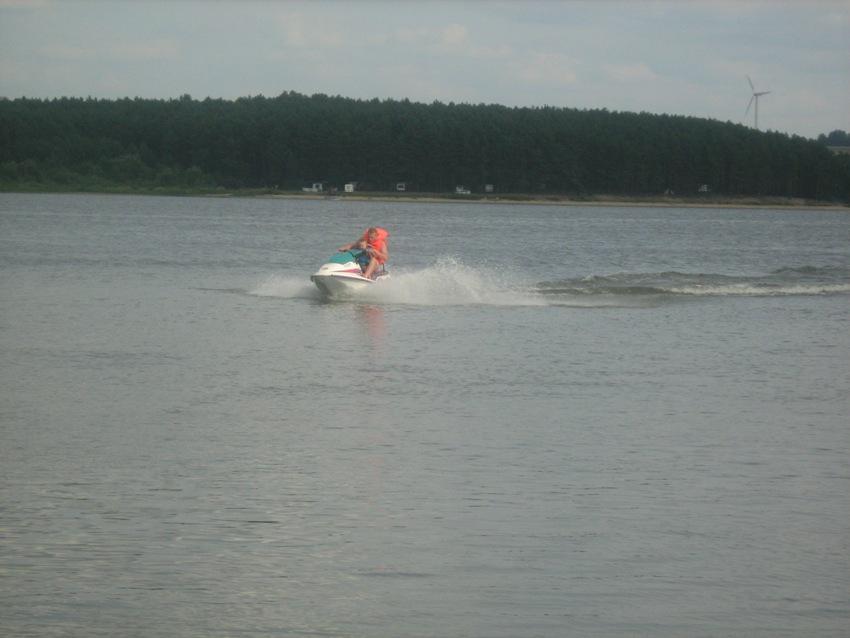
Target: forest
290,141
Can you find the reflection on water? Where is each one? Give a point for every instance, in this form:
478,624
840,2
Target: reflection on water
372,318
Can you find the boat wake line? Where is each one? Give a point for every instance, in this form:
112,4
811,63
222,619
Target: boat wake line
807,280
449,282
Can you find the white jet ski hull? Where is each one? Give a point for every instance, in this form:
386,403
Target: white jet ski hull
343,279
340,285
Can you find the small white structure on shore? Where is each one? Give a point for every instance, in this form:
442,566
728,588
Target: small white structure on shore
462,190
350,187
489,188
401,187
317,187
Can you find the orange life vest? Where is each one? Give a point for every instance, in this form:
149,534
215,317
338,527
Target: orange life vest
379,243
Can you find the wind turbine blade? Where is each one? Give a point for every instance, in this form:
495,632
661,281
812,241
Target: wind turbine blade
749,105
751,84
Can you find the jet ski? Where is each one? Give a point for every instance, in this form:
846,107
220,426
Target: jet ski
342,274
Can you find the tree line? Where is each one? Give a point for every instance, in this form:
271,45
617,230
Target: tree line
292,140
835,138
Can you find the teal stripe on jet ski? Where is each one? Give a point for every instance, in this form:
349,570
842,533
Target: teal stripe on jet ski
344,257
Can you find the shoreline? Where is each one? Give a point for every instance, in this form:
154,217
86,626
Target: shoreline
753,202
600,201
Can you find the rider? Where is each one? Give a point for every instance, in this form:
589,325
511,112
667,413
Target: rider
374,244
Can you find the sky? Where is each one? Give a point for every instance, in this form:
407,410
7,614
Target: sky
686,57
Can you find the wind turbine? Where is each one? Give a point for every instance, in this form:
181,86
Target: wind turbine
755,98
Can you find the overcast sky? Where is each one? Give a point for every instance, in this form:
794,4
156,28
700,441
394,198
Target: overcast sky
685,57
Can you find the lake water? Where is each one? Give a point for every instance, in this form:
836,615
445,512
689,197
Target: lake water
552,421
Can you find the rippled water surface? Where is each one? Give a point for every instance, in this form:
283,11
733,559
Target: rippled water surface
551,421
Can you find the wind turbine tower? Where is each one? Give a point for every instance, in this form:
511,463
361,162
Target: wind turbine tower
755,98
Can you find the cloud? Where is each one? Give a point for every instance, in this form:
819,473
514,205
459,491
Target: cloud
448,38
639,72
454,35
490,52
154,50
68,52
12,73
548,68
303,32
732,68
833,20
412,83
411,36
22,4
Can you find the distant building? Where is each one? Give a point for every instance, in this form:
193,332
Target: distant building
703,188
462,190
489,188
839,150
350,187
317,187
401,187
